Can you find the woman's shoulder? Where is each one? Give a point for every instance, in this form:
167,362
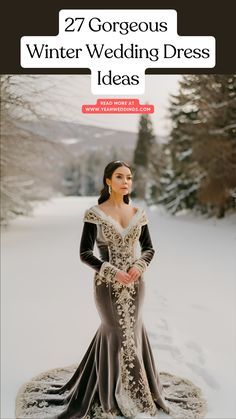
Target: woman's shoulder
103,205
135,209
91,215
143,216
139,215
94,214
138,208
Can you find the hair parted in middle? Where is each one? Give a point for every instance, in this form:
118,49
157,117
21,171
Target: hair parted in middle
108,171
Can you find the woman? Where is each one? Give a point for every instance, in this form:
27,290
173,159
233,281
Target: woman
117,375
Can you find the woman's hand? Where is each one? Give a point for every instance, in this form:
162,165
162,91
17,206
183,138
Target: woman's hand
127,277
123,277
134,273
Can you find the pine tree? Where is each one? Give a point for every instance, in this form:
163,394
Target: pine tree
182,176
142,153
201,170
215,142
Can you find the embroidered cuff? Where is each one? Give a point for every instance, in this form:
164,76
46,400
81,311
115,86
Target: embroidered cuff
108,271
141,265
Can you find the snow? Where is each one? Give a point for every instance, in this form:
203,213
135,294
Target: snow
70,141
49,316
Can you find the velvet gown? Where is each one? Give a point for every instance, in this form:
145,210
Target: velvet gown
117,375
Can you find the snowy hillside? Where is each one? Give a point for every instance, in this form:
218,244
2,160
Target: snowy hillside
49,316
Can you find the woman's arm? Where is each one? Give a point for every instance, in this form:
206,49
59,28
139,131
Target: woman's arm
147,250
87,242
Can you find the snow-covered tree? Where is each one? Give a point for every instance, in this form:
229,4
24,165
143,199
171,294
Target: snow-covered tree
201,170
30,164
215,142
142,156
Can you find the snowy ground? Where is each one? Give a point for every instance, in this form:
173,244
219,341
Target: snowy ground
49,316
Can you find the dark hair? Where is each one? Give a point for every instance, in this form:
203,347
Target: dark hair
108,171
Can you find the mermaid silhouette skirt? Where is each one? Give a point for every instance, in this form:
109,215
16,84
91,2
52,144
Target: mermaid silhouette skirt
117,374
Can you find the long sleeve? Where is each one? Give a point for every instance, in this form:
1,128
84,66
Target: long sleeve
89,234
147,250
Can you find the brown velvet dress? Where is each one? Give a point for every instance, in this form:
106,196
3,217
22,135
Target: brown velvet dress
117,375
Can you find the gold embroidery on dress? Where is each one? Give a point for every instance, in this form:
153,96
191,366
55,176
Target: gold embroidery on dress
135,395
91,217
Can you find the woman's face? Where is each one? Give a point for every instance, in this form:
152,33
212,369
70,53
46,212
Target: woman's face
121,180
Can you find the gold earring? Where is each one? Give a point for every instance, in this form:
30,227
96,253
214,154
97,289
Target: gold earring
109,189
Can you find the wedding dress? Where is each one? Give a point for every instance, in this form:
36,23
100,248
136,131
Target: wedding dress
117,375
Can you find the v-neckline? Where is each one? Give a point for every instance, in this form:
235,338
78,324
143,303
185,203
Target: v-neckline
109,217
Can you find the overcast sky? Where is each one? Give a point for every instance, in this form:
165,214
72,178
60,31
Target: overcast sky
64,95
